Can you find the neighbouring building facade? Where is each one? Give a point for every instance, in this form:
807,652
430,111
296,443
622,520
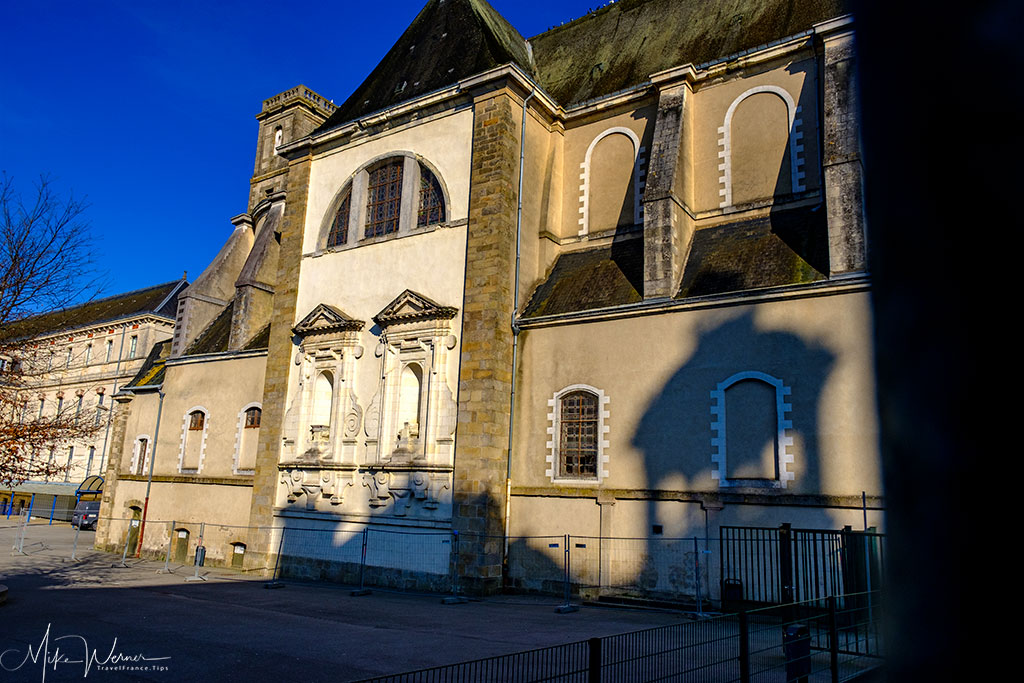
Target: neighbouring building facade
77,360
608,281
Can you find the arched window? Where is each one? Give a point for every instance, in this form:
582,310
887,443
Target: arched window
252,418
370,205
339,228
384,199
751,426
193,440
577,447
431,199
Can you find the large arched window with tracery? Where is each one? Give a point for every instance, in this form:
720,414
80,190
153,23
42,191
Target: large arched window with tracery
388,197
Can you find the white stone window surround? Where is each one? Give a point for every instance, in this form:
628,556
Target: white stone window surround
408,213
184,436
639,181
796,160
554,439
783,424
135,452
238,437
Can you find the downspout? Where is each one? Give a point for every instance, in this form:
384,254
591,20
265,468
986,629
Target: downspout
152,463
110,414
515,330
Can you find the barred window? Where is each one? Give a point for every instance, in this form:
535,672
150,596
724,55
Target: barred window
252,418
579,435
384,199
431,199
339,227
196,421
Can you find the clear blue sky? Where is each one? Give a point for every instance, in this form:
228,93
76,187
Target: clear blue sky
147,108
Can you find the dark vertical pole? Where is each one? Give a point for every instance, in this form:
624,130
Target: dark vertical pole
833,640
594,660
744,649
786,562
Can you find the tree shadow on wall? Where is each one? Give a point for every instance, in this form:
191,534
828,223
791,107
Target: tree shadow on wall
677,429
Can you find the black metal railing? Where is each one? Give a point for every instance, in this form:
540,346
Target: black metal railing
765,566
833,639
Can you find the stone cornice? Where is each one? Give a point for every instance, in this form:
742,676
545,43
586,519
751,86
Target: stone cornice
857,282
732,497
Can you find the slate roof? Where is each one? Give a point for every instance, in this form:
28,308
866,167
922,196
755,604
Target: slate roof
214,338
786,248
447,41
158,300
610,49
622,44
591,278
152,372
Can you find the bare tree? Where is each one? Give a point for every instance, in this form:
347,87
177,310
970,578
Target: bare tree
45,266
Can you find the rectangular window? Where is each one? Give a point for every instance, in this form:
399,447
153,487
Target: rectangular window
196,421
88,353
78,409
252,418
99,411
140,464
42,406
67,361
384,199
49,361
578,442
133,344
110,349
88,464
71,456
60,405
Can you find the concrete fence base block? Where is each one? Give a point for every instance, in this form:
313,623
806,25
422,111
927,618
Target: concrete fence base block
454,600
359,592
566,609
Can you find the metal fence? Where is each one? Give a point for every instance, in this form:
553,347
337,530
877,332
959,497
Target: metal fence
834,639
779,565
744,567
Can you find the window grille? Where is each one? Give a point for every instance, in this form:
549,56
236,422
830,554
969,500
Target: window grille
431,199
385,199
196,421
252,418
578,438
339,228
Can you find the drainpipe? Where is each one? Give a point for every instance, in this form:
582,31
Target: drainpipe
110,412
149,482
515,329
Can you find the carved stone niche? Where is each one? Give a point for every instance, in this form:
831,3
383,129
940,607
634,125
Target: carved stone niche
322,421
411,419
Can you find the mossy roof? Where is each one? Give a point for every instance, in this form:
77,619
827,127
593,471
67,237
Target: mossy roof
214,338
156,300
622,44
786,248
152,372
591,278
613,48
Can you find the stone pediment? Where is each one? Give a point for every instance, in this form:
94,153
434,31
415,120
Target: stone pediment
325,319
411,306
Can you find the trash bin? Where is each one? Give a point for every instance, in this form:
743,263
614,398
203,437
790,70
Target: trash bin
200,555
796,645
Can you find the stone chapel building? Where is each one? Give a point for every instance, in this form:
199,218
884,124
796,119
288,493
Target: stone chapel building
608,281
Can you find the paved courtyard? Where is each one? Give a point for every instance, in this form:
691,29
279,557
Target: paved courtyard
230,627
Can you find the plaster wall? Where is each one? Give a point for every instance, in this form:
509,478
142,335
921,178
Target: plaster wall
711,102
658,373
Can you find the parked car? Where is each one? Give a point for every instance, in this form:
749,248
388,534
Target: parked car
85,515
